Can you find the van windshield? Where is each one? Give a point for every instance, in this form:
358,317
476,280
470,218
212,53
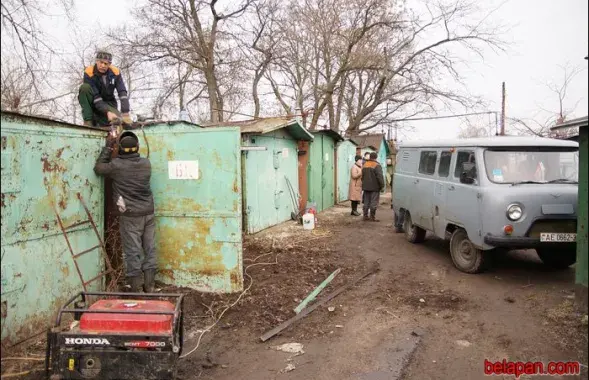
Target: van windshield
532,166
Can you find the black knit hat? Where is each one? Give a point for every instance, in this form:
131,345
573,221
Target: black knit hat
358,157
128,143
101,54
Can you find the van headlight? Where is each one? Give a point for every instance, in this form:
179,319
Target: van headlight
514,212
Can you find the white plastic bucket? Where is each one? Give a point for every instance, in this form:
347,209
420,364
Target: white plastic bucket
308,221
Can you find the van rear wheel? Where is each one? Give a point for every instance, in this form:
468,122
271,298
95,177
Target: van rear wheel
557,258
413,233
466,257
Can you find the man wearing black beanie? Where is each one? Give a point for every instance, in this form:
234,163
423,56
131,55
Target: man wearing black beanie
131,174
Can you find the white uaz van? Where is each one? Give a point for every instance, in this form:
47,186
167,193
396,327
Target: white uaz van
486,193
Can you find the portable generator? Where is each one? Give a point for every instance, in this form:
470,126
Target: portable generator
118,336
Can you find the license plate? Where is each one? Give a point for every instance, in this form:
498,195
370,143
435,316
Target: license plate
557,237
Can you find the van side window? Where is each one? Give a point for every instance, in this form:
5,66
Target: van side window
427,162
445,158
461,158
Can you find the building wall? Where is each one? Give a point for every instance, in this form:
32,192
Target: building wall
582,243
196,183
321,171
44,165
346,151
270,199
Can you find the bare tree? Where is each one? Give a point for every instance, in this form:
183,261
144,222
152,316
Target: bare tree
258,48
368,64
189,32
562,110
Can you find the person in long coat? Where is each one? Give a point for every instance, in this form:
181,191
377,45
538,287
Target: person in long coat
355,191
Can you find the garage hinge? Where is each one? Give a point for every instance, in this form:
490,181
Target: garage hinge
479,195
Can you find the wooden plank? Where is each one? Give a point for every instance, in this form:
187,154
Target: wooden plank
321,301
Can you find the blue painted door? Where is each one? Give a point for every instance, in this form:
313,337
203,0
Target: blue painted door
196,182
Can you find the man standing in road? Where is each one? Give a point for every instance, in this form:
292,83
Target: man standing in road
372,185
131,174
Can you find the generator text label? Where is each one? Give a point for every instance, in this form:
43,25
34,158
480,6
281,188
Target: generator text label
93,341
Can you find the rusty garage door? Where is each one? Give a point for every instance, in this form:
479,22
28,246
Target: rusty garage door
196,181
45,163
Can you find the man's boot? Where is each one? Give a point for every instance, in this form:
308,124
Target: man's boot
373,216
365,218
149,285
135,283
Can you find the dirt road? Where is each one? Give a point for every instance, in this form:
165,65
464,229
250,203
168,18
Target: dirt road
418,318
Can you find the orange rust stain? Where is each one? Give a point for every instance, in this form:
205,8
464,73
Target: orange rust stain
235,186
167,273
202,257
170,155
65,270
218,161
235,279
180,204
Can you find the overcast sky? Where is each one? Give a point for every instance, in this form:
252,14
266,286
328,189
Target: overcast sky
545,34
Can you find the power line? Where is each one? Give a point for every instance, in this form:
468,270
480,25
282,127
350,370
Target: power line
446,116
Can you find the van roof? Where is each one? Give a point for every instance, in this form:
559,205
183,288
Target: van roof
495,141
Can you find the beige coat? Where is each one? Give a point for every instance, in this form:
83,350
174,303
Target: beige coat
355,192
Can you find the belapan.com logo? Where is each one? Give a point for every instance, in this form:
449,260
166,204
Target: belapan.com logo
94,341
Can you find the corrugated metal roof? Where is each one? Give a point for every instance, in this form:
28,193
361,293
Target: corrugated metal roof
267,125
372,141
579,122
495,141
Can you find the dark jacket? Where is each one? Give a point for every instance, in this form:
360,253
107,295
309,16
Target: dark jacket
104,85
372,178
130,175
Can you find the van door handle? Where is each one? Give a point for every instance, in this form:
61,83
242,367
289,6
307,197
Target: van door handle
416,182
451,188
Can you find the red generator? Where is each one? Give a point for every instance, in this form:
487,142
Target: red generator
119,336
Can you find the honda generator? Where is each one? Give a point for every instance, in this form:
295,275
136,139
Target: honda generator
116,336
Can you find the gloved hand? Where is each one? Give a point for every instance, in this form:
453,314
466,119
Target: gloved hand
127,119
111,139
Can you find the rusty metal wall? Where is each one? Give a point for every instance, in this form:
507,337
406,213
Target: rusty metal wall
196,182
45,163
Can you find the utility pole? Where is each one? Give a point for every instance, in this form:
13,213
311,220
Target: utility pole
503,109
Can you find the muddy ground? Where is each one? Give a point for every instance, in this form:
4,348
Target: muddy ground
417,318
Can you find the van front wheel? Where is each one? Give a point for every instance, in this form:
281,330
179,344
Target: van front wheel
413,233
557,258
466,257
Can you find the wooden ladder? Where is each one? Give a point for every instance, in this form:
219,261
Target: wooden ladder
100,245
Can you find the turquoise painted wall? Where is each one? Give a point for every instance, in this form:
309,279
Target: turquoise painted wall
321,171
346,151
268,199
198,211
45,163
